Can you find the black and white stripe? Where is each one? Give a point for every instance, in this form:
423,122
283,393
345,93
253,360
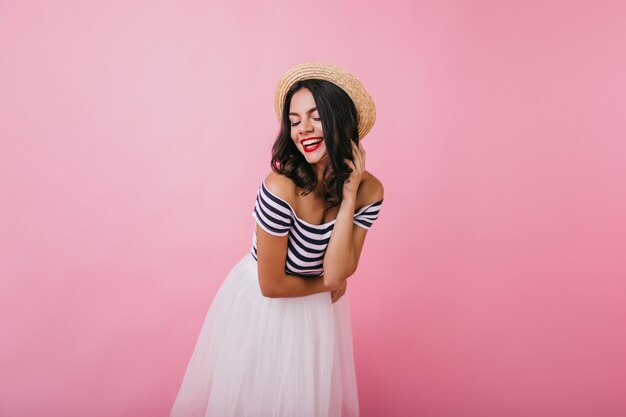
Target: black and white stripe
307,242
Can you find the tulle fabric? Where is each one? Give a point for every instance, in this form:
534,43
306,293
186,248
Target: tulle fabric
270,357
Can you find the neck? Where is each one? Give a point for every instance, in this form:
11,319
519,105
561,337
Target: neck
319,187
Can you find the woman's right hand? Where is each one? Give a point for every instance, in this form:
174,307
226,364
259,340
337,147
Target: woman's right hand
336,294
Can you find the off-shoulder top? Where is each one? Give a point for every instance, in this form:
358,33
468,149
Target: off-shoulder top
307,242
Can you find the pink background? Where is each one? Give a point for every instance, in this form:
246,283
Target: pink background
135,135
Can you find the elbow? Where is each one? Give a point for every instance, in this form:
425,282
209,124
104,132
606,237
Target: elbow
332,283
334,279
268,291
269,288
334,276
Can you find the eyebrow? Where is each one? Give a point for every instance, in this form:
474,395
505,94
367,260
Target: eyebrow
309,111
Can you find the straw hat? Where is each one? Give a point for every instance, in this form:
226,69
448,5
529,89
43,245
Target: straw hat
365,108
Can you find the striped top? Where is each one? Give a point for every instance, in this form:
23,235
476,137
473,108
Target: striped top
307,242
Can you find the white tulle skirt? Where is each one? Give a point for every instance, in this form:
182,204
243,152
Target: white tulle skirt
270,357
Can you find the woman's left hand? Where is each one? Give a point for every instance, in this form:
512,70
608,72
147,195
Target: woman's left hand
351,185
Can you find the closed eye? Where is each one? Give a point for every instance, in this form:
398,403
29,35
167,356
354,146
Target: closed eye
317,119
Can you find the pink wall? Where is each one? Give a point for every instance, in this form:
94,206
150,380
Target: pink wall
135,134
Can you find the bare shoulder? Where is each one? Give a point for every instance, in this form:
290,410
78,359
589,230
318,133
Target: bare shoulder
281,186
371,189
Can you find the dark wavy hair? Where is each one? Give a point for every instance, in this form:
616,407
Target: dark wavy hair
340,124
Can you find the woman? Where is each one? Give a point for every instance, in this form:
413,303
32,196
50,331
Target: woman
277,339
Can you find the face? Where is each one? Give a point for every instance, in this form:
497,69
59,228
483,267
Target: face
306,126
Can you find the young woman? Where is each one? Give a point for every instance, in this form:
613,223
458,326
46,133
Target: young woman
277,339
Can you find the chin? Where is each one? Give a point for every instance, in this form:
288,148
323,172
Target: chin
315,159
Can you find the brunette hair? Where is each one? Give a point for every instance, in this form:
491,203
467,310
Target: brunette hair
340,124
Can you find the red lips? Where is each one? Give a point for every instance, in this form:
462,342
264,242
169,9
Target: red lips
313,147
318,137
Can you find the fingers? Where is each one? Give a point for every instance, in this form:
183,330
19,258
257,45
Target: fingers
362,153
357,161
359,156
336,295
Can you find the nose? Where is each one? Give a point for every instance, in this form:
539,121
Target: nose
306,126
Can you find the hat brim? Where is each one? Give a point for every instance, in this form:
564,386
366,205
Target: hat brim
366,110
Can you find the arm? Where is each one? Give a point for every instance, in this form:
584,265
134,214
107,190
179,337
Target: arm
272,242
340,259
274,282
346,242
